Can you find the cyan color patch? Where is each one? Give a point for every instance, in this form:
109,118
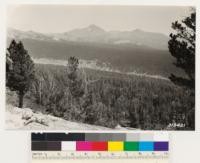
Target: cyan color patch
146,146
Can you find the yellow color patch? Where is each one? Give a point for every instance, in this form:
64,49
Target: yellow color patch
115,146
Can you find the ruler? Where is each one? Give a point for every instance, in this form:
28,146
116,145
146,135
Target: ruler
98,155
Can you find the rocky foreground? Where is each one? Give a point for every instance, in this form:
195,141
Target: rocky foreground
26,119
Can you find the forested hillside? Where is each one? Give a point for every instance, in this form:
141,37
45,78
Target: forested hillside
110,99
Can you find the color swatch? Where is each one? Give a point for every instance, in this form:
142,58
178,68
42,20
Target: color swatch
131,146
99,142
115,146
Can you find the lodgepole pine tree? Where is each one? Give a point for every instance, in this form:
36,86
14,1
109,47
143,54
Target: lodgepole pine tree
22,73
182,47
76,84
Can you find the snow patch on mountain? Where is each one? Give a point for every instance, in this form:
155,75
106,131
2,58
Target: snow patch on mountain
122,42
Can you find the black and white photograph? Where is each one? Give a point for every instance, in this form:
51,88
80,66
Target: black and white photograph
100,67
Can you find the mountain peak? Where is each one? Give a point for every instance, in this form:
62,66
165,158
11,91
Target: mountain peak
93,27
138,30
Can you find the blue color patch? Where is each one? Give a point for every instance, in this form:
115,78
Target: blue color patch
146,146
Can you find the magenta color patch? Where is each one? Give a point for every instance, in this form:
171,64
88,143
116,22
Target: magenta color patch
83,146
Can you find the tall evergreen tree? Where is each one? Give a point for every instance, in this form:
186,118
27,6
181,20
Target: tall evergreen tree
182,47
22,72
76,84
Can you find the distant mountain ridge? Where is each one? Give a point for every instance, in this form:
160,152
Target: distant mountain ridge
124,51
96,34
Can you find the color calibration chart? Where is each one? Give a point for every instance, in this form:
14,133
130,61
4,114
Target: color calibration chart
98,147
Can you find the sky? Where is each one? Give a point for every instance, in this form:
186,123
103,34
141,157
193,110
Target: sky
62,18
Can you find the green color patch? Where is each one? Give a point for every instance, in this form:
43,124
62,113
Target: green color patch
131,146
